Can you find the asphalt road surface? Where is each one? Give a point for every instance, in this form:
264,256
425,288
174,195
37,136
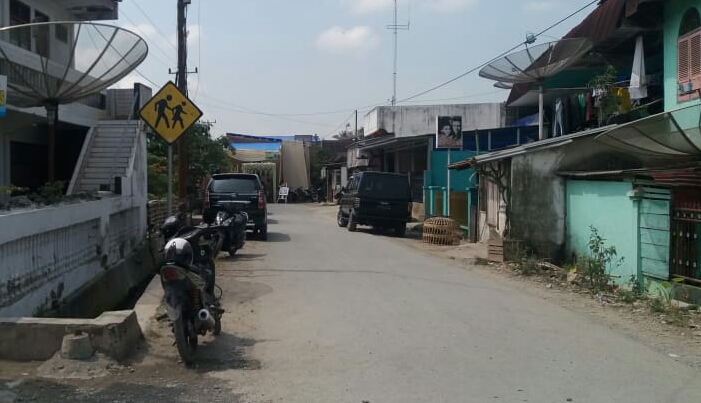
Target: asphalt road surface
336,316
321,314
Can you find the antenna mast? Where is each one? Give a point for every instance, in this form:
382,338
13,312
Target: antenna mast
396,27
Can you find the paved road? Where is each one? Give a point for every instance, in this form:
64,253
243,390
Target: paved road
334,316
319,314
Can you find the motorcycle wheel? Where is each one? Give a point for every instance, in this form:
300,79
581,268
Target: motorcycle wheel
185,340
232,251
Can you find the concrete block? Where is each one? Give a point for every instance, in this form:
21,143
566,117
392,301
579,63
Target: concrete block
114,333
76,346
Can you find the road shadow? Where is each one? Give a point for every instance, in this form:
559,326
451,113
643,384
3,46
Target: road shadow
278,237
243,257
223,352
386,232
273,221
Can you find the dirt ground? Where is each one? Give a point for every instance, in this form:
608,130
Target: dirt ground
634,320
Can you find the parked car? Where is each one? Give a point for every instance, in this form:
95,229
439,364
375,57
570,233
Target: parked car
379,199
238,187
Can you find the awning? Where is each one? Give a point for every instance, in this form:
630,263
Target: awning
684,175
388,143
672,133
526,148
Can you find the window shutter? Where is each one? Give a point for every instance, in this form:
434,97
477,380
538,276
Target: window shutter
683,65
695,58
689,66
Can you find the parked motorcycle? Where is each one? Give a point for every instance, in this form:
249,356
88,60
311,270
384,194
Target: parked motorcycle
232,219
188,280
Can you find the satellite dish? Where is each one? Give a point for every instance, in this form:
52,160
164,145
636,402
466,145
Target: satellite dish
535,64
53,63
503,85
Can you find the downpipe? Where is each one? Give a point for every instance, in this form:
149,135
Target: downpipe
205,318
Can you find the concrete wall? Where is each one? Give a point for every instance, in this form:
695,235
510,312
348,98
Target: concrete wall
408,121
52,252
538,203
605,206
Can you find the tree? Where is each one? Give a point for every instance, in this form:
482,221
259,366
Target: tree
205,155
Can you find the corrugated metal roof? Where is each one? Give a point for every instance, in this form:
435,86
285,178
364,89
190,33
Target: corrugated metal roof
527,148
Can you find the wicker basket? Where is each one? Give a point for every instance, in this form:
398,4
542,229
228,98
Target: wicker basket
441,231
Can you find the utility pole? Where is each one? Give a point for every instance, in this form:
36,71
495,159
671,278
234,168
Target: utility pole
355,137
181,83
395,27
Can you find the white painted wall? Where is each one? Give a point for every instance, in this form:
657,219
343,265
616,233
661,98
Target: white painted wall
408,121
59,249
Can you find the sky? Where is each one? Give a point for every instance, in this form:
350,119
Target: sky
302,67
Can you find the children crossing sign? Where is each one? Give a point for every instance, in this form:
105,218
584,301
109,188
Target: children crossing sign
169,113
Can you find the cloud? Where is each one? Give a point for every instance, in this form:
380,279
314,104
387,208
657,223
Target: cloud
371,6
194,32
447,6
441,6
338,39
538,6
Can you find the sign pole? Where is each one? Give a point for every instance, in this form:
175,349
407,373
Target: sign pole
170,179
448,192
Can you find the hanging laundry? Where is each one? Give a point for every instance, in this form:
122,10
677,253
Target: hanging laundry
624,97
638,79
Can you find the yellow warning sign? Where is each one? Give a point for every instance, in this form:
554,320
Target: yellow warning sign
170,112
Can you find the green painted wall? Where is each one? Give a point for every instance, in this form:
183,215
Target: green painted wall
673,12
606,206
458,179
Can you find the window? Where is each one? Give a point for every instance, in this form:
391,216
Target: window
20,13
61,33
689,56
41,34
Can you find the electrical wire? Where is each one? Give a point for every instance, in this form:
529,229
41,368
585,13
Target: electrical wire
155,43
472,70
136,4
332,132
228,106
199,51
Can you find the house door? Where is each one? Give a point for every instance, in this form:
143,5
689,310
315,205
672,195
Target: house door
685,247
654,240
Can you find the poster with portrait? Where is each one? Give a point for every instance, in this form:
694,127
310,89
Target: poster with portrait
449,132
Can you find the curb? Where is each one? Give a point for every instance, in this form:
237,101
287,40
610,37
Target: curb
147,305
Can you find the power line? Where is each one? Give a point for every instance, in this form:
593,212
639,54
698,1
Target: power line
456,98
136,4
472,70
167,64
228,106
199,50
254,112
347,120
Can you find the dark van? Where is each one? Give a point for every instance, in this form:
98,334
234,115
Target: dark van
379,199
242,187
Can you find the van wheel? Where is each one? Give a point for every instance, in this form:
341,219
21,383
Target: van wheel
352,224
342,222
400,230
